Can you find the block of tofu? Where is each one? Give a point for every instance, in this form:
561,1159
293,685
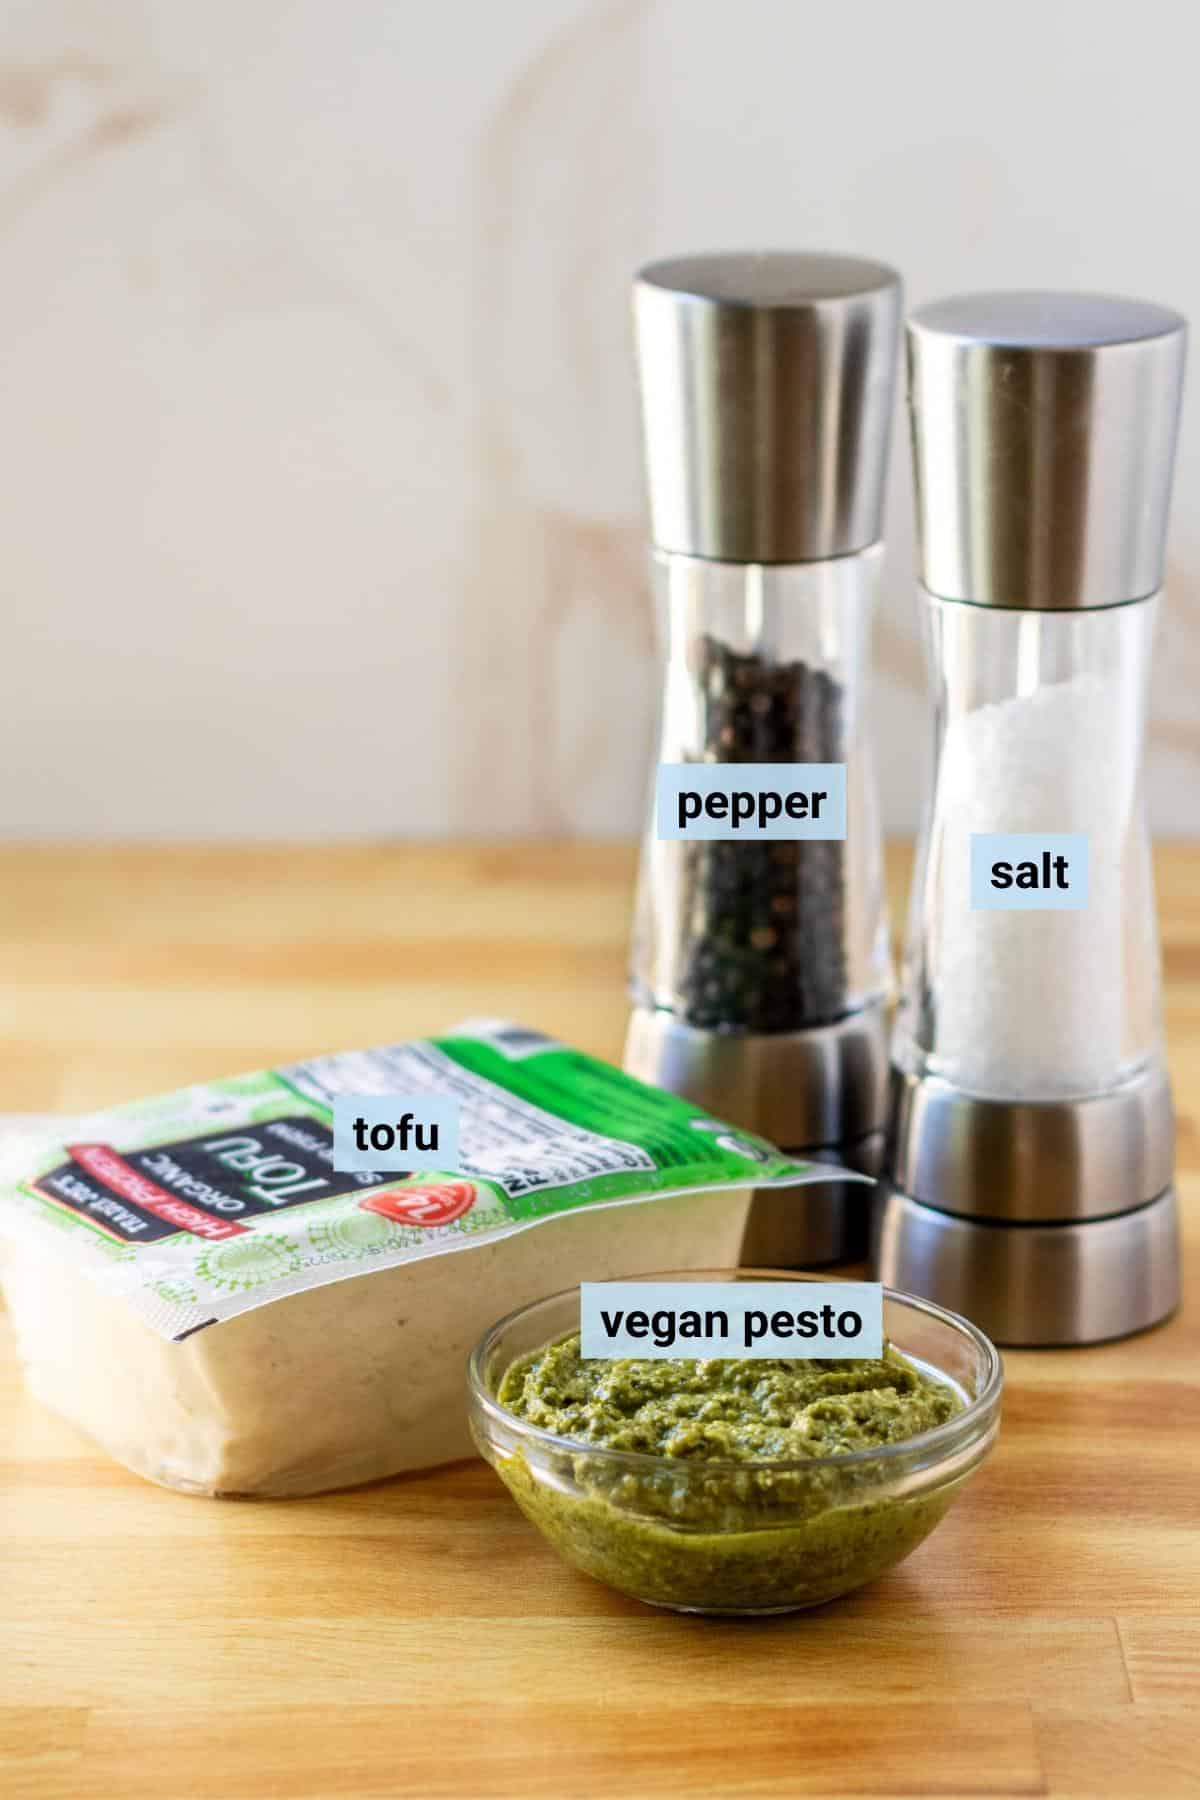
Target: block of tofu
347,1382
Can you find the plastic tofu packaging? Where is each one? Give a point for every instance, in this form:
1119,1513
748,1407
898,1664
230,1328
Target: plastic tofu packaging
194,1285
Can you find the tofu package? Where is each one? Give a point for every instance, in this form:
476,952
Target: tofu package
194,1284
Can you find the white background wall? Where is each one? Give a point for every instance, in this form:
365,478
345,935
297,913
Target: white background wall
318,472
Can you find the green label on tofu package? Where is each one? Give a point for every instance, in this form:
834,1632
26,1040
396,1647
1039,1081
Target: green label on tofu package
207,1202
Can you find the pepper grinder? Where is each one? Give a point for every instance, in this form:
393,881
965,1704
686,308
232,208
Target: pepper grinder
760,970
1031,1144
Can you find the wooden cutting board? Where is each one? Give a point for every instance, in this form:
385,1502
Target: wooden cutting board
417,1638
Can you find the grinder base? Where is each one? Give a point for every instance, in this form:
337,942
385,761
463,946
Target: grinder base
1034,1285
812,1227
827,1085
820,1093
1032,1162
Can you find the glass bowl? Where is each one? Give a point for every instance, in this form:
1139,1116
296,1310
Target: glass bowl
738,1537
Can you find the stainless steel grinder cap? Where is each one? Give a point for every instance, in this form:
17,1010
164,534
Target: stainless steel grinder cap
767,383
1044,430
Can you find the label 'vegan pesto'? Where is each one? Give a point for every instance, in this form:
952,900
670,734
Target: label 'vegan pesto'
715,1524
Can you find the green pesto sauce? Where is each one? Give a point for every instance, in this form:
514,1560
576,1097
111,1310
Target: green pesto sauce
706,1529
726,1410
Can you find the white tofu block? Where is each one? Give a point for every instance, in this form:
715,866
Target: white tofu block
335,1385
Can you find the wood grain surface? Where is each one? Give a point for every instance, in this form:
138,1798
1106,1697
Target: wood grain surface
417,1638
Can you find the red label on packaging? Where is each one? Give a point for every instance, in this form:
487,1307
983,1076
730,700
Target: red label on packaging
104,1164
438,1204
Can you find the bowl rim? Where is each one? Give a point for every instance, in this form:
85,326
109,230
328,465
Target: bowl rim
939,1440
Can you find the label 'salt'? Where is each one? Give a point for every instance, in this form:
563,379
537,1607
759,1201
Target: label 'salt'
1029,871
700,1319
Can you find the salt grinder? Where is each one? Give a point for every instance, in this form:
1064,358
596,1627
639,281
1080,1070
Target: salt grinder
1031,1143
760,969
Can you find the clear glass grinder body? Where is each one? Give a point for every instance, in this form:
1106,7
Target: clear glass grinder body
1038,726
763,664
